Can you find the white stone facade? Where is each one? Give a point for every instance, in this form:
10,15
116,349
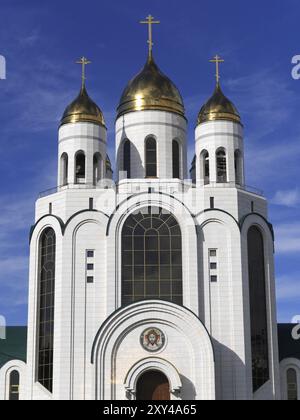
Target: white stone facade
97,349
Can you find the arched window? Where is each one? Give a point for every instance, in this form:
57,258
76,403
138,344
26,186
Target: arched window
205,175
127,158
151,257
221,166
176,159
80,168
238,167
151,157
292,385
47,252
14,385
97,164
258,308
64,162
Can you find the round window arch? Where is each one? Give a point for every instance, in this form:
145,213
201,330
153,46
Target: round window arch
151,157
221,165
14,385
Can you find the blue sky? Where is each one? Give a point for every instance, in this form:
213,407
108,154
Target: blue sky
41,40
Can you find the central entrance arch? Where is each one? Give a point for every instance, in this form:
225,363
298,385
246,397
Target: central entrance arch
117,371
153,386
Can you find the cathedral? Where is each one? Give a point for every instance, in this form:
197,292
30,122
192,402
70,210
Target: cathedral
151,282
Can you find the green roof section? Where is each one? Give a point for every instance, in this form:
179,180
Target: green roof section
14,346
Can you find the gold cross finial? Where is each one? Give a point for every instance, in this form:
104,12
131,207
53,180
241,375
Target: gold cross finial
217,60
150,21
84,62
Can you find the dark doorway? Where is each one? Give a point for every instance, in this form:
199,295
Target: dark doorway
153,386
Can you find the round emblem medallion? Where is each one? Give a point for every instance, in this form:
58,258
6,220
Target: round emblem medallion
152,339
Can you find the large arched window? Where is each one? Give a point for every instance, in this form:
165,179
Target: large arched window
64,167
14,385
151,257
98,167
176,159
205,175
292,385
47,251
80,168
258,308
127,158
238,165
151,157
221,166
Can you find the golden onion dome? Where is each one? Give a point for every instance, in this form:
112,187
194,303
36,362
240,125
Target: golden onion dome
151,90
83,109
218,107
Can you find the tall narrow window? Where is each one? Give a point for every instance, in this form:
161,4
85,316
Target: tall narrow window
14,385
46,308
151,257
205,175
176,159
238,167
151,158
292,385
258,308
80,168
193,170
127,158
98,163
64,162
221,166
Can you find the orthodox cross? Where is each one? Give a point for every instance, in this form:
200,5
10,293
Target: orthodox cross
84,62
150,21
217,60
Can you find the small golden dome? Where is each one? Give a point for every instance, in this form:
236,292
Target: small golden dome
218,108
83,109
151,90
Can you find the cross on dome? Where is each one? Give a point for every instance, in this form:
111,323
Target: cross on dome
150,21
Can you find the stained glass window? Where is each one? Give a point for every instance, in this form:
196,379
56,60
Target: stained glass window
151,158
151,257
46,308
258,308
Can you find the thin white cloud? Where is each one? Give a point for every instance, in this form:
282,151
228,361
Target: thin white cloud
30,39
264,97
288,198
11,266
288,287
287,238
272,164
16,214
13,282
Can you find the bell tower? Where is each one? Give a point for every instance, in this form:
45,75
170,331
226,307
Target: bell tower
238,247
82,141
219,140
